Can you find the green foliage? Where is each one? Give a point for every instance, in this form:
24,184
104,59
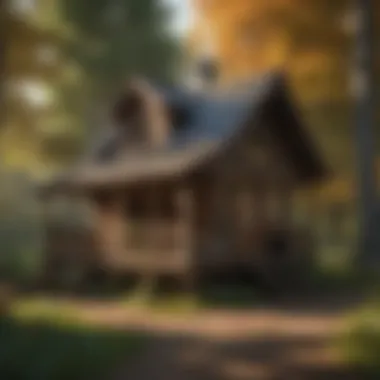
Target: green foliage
342,280
231,296
119,38
31,350
20,229
360,343
93,46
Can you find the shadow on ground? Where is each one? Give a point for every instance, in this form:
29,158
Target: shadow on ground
60,349
287,339
234,336
292,340
263,357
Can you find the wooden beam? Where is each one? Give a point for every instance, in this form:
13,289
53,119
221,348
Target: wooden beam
111,228
185,236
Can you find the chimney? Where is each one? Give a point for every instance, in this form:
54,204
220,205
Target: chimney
142,114
207,70
156,117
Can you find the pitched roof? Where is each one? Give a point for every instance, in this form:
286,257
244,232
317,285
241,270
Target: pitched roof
211,120
209,117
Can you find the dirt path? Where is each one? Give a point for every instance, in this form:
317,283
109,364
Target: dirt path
286,343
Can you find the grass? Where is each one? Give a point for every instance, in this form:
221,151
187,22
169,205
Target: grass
211,297
217,297
337,271
45,309
232,297
43,341
360,342
48,339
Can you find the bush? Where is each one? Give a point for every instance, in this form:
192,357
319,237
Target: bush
361,340
23,227
58,350
21,234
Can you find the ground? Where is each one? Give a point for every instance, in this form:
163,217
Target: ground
293,340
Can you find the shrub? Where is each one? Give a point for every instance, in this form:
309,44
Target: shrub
60,349
361,341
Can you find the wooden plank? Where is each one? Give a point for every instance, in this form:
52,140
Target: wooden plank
186,233
150,261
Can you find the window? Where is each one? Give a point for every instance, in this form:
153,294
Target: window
167,203
103,198
151,221
136,206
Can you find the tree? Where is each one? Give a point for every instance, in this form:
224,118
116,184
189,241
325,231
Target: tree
2,59
61,53
307,38
118,38
34,68
114,40
365,104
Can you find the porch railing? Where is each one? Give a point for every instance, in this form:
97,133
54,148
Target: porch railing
153,244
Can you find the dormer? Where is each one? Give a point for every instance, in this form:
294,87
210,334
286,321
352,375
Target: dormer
141,115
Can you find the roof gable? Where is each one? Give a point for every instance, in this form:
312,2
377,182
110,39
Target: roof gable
209,122
196,117
287,128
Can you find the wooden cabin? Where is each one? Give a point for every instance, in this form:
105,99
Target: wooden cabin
191,182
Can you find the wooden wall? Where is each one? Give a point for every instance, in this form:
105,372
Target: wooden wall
147,228
249,192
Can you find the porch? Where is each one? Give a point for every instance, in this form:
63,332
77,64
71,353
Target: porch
146,230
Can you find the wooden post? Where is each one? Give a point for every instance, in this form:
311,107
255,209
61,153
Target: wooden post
151,223
128,230
151,246
186,237
111,228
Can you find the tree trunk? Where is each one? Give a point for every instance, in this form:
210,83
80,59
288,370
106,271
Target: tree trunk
364,94
3,41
